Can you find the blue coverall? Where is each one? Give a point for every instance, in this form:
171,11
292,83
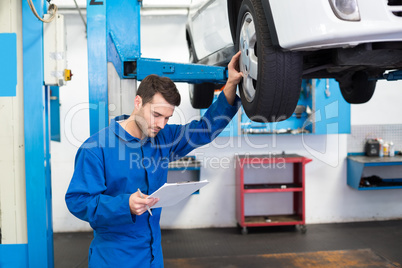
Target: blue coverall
111,165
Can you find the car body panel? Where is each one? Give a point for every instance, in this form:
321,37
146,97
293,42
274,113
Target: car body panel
210,27
311,24
300,25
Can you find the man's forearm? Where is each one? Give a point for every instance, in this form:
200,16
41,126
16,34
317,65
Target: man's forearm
230,92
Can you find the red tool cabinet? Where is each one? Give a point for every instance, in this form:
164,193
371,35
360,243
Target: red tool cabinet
270,190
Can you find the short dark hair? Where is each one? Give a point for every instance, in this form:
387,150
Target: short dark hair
153,84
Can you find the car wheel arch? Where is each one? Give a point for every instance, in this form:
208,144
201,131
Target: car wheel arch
190,46
233,10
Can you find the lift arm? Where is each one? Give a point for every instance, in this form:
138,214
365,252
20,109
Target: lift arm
139,68
393,76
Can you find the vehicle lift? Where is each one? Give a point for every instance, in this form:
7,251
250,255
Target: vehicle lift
113,29
113,32
114,36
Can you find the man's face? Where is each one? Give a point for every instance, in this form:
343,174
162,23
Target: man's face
153,116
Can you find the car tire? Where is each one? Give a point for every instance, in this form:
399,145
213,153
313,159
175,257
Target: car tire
201,95
357,88
271,84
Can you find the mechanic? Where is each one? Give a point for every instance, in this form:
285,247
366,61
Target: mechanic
133,153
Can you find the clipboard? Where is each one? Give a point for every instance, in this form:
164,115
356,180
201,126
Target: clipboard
170,194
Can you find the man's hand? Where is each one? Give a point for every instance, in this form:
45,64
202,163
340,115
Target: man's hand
138,205
234,78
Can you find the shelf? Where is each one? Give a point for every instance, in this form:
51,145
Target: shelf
273,220
383,184
185,163
278,194
356,165
376,161
267,188
185,169
272,158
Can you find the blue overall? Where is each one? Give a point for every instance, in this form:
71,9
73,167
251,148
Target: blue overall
111,165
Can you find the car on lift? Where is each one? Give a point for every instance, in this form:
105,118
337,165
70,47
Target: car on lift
282,42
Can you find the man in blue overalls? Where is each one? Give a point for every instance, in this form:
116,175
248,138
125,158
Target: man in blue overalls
133,153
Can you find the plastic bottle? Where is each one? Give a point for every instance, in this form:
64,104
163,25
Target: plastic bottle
386,149
381,149
391,149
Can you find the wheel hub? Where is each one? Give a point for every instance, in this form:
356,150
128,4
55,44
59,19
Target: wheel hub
249,59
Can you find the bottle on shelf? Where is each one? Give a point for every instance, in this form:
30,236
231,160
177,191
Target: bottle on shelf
391,149
381,149
386,149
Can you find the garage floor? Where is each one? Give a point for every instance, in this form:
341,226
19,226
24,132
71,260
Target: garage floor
383,238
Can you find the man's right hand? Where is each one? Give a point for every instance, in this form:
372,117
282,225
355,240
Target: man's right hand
138,205
234,78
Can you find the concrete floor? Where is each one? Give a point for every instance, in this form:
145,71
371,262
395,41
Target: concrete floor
382,237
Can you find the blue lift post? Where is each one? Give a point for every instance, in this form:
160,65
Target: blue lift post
37,142
113,29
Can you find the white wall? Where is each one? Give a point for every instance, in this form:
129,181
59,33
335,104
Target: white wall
383,108
328,198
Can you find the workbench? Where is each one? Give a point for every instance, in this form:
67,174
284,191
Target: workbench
385,171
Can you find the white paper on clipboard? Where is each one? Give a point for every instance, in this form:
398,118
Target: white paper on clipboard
172,193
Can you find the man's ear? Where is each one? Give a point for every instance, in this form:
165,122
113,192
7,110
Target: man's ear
138,102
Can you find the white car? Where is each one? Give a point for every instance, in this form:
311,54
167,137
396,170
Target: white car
285,41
